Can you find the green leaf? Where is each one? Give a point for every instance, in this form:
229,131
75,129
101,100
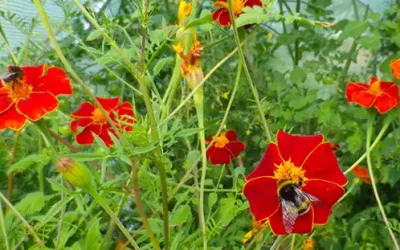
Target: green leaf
181,215
355,142
205,19
372,43
56,186
191,158
31,203
253,15
25,163
94,35
298,75
212,199
161,64
188,132
353,29
87,156
93,237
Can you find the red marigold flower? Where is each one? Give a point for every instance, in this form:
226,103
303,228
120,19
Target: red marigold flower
395,66
91,120
296,183
221,15
361,173
383,95
225,147
29,93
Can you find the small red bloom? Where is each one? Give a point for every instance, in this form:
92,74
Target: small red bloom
29,93
225,147
361,173
383,95
91,120
395,66
298,178
221,15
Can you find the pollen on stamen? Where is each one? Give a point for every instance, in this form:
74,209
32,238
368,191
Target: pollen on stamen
288,171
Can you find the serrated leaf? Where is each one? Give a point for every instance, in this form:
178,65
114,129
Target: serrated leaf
253,15
28,161
353,29
372,43
31,203
56,186
93,237
212,199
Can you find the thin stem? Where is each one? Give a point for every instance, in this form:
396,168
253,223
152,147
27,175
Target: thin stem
3,228
100,200
378,138
296,43
373,182
172,87
355,8
285,31
27,225
67,65
247,73
276,243
293,241
139,205
10,162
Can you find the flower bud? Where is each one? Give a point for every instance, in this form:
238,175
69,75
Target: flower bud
76,173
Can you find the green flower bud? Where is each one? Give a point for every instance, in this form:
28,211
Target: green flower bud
76,173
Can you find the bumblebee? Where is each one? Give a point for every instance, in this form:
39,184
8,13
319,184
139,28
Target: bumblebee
14,73
294,202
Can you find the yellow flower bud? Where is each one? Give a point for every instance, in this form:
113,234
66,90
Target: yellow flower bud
76,173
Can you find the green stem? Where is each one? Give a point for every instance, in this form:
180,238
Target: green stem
285,31
172,87
296,43
108,210
12,55
247,73
67,65
373,182
293,241
139,206
355,8
3,228
27,225
276,242
198,102
385,126
10,162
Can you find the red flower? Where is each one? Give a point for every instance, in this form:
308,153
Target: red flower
361,173
296,184
395,66
221,15
383,95
91,120
29,93
225,147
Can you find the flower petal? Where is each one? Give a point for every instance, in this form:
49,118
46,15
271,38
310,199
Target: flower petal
322,164
31,73
222,17
5,101
105,136
297,147
385,103
219,155
12,119
55,81
108,103
364,98
395,66
84,111
231,135
81,122
266,167
262,196
328,194
37,105
352,88
86,136
303,223
251,3
235,147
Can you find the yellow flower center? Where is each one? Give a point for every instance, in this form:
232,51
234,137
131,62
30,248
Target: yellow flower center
98,116
19,90
221,141
288,171
237,6
375,88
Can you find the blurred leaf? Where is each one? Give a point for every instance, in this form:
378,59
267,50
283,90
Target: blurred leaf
353,29
31,203
25,163
181,215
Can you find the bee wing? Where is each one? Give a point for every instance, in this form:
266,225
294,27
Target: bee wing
6,75
308,196
289,215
